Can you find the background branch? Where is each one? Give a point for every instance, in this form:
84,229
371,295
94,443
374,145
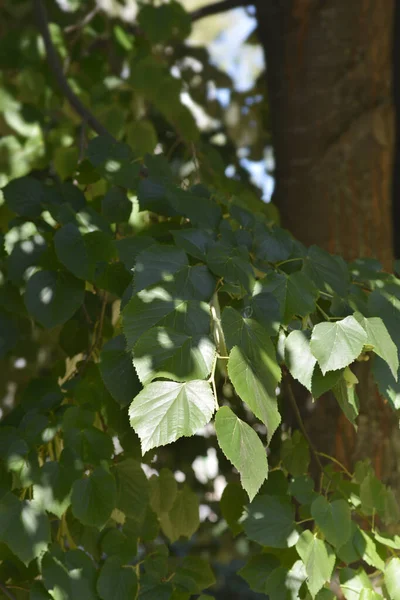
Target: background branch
219,7
56,68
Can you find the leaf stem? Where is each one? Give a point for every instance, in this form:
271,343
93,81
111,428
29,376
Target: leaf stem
302,426
289,260
333,459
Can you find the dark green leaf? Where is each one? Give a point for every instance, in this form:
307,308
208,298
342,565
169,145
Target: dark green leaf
23,527
157,263
117,371
132,489
334,520
320,384
232,503
163,491
233,264
270,522
24,196
329,273
71,574
163,352
195,242
296,294
194,575
183,518
116,206
295,454
116,581
94,498
53,297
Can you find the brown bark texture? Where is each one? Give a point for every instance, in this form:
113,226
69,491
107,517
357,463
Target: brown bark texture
330,93
329,76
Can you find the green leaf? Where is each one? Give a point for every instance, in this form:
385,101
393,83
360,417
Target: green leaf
94,498
272,245
46,294
116,581
318,559
347,399
24,196
81,254
255,378
163,352
264,575
159,306
337,345
163,491
353,583
320,384
195,242
9,333
25,253
53,490
298,357
116,206
157,263
142,136
378,337
387,384
202,211
132,488
243,448
329,273
264,308
392,578
103,149
117,371
165,411
295,454
152,589
333,519
183,518
370,595
233,264
295,293
165,22
130,247
302,488
195,283
366,548
193,575
232,503
23,527
347,553
70,574
270,522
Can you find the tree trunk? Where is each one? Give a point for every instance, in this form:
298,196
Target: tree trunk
329,75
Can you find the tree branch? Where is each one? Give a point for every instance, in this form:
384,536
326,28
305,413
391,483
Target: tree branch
56,68
219,7
7,592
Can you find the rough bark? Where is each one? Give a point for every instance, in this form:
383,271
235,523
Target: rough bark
329,75
329,82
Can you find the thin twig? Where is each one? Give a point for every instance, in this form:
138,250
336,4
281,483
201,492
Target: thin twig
85,21
302,426
57,70
219,7
7,592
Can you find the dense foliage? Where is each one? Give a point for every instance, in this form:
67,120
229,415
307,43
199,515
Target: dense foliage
142,304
